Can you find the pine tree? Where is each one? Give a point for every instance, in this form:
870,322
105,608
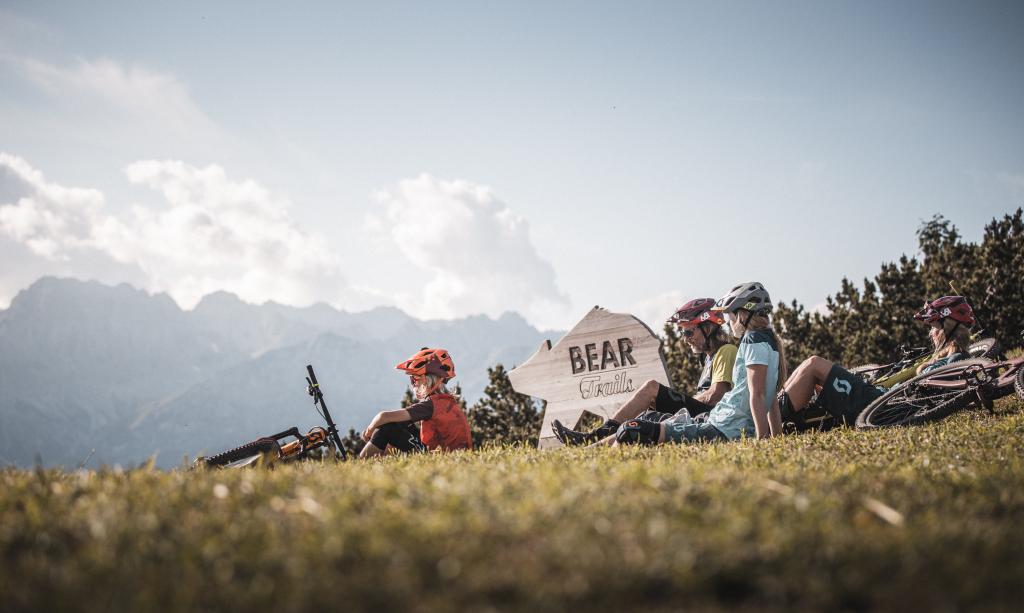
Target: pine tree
353,443
457,392
804,334
503,415
996,291
871,323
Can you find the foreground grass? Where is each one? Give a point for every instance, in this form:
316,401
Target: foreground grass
919,518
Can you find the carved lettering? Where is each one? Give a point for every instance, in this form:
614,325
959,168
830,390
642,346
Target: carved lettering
591,350
593,387
576,357
608,355
626,351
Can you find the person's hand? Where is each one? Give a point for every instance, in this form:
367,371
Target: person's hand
374,424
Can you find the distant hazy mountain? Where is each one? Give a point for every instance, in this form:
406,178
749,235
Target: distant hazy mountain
85,366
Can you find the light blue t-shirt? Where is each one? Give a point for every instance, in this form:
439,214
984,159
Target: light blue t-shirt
732,413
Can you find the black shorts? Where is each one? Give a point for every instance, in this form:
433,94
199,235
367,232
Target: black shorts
845,394
671,402
403,436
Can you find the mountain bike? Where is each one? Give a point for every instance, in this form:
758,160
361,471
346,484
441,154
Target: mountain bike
907,356
937,394
816,417
319,443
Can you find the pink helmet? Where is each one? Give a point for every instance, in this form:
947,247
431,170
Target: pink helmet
947,306
696,312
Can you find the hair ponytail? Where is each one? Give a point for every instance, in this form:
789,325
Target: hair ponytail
959,342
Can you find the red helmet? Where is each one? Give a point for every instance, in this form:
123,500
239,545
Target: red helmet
947,306
695,312
429,361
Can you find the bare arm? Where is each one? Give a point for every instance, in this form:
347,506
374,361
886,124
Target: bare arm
756,375
385,417
712,395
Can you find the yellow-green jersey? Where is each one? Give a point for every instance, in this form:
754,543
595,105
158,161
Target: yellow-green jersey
718,368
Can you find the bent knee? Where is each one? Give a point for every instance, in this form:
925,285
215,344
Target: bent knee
820,365
650,387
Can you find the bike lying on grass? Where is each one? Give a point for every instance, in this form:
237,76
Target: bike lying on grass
982,348
319,443
944,391
816,417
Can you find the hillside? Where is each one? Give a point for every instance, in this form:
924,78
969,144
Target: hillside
115,375
924,518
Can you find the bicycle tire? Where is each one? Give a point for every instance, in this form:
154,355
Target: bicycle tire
907,405
902,411
262,446
985,348
1018,383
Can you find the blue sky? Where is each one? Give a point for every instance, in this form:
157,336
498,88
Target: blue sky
455,158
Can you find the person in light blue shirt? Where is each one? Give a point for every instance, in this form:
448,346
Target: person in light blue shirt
749,408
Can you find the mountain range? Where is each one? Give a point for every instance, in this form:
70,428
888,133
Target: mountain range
92,374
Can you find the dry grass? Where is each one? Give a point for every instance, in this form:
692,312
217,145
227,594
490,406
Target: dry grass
918,518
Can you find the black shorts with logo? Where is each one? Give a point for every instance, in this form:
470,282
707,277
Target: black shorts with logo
403,436
845,394
671,402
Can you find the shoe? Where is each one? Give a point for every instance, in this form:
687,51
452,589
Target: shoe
569,437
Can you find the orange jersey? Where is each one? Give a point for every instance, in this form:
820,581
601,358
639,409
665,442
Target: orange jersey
447,428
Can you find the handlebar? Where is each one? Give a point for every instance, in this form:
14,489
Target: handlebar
909,351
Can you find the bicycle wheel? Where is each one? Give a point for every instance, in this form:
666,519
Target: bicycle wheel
985,348
903,409
1018,383
247,454
927,397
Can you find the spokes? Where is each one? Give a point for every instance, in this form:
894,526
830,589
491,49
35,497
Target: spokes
902,407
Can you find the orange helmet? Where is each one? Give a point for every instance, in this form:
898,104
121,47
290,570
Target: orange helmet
429,361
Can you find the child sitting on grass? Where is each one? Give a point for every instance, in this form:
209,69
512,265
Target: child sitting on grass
443,424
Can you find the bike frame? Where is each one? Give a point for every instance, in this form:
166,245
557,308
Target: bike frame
977,375
318,399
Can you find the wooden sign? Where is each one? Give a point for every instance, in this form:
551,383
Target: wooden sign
596,367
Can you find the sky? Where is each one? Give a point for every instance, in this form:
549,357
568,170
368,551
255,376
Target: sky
453,159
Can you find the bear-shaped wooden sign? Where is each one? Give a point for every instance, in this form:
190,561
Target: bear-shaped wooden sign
595,367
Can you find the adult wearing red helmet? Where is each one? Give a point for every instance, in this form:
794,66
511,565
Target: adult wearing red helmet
845,394
443,424
701,329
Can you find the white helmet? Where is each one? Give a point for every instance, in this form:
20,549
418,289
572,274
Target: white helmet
750,296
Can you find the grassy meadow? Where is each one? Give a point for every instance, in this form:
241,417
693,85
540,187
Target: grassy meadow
925,518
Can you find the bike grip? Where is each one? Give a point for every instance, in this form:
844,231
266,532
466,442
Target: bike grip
312,375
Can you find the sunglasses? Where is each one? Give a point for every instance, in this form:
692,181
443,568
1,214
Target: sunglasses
688,332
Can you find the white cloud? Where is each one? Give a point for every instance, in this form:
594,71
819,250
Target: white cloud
159,100
655,310
48,218
475,251
467,252
211,233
